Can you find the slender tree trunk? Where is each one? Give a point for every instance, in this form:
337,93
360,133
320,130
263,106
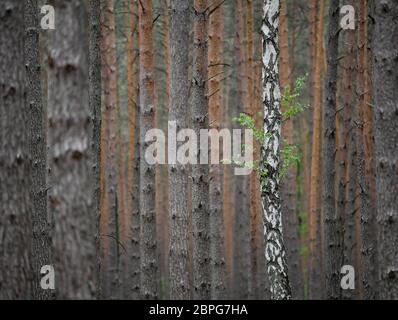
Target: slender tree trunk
95,110
365,159
385,61
315,268
14,157
148,244
200,173
70,154
38,150
110,270
270,164
332,222
215,92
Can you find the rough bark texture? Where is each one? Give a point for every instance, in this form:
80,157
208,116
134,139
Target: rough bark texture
288,185
41,245
110,265
148,285
15,275
332,222
215,92
385,59
365,158
270,163
70,153
200,172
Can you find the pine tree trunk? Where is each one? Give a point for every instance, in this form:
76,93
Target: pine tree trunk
148,244
270,163
200,173
365,159
178,179
385,61
70,154
15,160
332,222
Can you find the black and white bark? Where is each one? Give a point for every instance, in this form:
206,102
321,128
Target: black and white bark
385,66
270,159
200,172
41,244
178,173
70,153
15,161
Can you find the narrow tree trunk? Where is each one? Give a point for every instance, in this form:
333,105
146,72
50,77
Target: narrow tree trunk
70,151
178,179
110,269
385,61
270,164
38,150
95,110
332,222
14,157
365,158
200,173
148,244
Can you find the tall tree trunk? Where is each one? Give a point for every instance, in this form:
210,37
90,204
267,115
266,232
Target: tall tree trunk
365,158
315,268
14,157
200,172
95,110
270,164
132,289
148,244
288,185
215,92
110,269
70,150
385,61
332,222
38,150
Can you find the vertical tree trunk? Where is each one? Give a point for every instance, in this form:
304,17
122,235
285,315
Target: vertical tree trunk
315,268
332,222
148,285
215,92
38,150
111,238
178,179
70,151
200,173
385,61
95,110
132,290
14,157
270,164
365,158
288,185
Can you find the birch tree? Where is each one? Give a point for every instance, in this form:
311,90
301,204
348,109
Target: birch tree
270,160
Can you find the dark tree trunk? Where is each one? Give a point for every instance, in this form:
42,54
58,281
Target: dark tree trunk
385,59
15,160
332,222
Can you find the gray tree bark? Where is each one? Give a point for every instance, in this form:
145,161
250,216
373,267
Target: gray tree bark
41,244
200,172
270,162
15,160
385,59
70,153
332,221
148,251
178,174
